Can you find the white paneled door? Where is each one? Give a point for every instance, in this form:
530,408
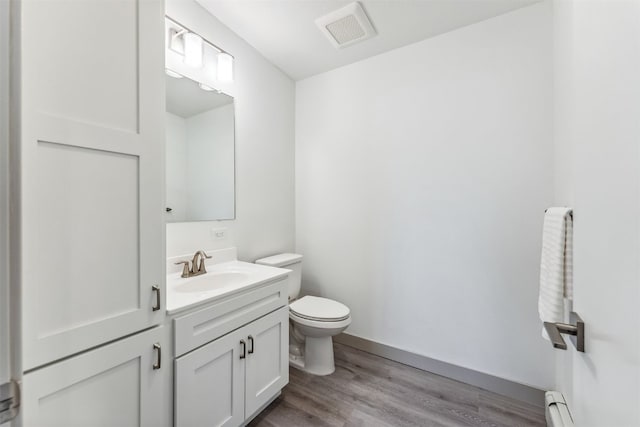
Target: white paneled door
92,139
598,99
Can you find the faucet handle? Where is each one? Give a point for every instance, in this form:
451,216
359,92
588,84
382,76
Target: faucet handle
202,268
185,268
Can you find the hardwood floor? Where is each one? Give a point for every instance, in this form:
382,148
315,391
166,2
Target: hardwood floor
367,390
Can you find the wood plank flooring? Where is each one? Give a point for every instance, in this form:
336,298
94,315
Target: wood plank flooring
367,390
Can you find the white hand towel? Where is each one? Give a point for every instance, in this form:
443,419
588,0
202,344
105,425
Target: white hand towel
556,265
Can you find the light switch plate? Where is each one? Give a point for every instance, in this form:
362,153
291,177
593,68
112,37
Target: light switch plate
218,233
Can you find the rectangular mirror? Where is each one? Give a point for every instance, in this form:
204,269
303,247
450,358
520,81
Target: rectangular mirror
200,152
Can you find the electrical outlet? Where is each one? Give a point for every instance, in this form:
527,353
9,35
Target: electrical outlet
218,233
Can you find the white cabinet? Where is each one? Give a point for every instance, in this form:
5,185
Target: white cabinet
199,327
209,384
267,362
228,380
91,170
119,384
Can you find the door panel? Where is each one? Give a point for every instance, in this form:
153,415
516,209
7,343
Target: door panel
267,370
92,179
112,385
597,63
68,176
82,47
209,384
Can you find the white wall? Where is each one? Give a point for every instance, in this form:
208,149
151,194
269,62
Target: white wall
210,164
264,102
422,176
597,134
176,171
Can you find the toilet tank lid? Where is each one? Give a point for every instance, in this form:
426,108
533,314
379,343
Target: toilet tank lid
280,260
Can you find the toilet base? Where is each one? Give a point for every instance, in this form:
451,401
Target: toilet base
317,358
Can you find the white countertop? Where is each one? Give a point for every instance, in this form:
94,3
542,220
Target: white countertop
243,276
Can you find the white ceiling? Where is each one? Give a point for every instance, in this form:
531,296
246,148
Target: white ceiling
284,31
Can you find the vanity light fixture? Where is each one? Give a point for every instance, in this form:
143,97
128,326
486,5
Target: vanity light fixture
198,52
193,50
225,67
173,74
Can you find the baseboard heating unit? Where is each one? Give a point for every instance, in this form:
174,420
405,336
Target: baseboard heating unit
557,411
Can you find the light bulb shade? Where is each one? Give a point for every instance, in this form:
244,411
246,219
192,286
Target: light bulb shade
173,74
193,50
205,87
225,67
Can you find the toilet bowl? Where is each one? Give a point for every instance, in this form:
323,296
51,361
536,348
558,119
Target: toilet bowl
316,320
313,321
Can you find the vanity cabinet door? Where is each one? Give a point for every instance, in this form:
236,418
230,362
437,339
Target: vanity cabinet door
119,384
91,153
209,383
267,366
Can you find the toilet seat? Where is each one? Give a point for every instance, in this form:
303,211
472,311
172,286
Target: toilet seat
318,309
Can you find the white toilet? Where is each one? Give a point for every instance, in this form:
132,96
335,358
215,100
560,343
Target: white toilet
314,321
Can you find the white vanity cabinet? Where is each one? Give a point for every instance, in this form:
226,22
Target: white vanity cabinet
229,379
119,384
232,357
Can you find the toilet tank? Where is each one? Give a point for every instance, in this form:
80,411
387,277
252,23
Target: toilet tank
291,262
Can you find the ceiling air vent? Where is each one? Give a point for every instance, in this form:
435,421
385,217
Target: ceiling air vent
346,26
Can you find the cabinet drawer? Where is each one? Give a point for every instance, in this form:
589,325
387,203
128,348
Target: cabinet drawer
200,327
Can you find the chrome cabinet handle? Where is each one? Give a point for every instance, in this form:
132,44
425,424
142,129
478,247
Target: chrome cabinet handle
158,350
156,289
252,345
244,349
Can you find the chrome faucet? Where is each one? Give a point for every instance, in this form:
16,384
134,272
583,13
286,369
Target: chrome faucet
202,269
196,266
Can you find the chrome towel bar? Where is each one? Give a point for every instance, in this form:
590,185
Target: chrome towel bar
575,329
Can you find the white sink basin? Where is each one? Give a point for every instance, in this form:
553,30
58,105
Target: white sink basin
211,281
222,279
